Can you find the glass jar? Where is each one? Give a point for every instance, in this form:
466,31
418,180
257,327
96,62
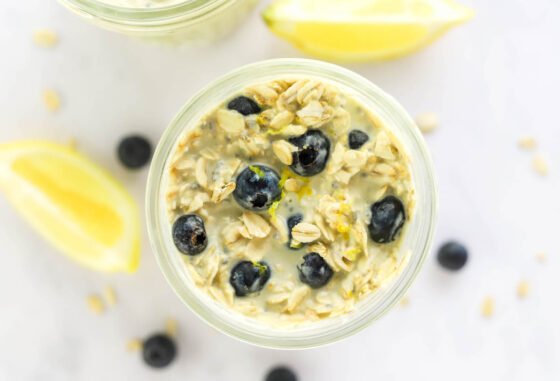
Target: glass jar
187,21
417,239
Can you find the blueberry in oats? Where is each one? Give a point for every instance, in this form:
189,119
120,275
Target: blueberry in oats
257,187
315,271
452,256
312,154
159,350
244,105
387,219
293,221
356,139
249,277
189,234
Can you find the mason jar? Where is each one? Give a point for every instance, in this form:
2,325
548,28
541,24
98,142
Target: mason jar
172,21
416,240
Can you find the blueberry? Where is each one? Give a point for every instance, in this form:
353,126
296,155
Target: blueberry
244,105
249,277
312,154
452,256
257,187
314,271
159,350
281,373
134,151
357,138
189,234
293,221
387,219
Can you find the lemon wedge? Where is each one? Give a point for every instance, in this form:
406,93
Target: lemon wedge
73,203
363,30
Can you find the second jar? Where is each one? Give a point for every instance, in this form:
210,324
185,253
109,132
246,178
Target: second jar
167,21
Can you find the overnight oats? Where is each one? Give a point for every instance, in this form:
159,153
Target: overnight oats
167,21
289,202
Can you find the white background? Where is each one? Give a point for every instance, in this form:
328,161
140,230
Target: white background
491,81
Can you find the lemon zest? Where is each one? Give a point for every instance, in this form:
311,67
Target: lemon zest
262,268
352,254
274,207
345,208
256,170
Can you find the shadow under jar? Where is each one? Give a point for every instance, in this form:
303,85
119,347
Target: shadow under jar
165,21
410,244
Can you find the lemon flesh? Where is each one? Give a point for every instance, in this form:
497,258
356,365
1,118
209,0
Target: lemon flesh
363,30
73,203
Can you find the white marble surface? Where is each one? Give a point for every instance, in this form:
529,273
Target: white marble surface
491,81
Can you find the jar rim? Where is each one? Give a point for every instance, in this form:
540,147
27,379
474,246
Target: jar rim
241,327
186,10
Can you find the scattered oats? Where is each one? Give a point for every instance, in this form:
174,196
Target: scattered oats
308,92
361,236
522,289
312,114
210,154
427,122
51,100
292,130
171,327
282,119
383,146
540,165
196,202
293,185
200,172
527,143
264,94
231,122
45,38
296,296
405,301
305,232
283,151
110,295
220,193
384,169
324,228
134,345
278,298
353,158
541,257
255,224
487,308
281,227
95,304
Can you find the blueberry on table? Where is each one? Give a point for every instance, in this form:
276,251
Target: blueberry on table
159,350
387,219
281,373
249,277
244,105
134,151
189,234
293,221
312,154
257,187
452,256
315,271
357,138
